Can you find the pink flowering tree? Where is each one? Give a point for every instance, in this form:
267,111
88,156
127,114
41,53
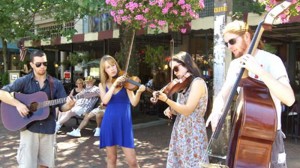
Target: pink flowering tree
134,15
294,9
155,14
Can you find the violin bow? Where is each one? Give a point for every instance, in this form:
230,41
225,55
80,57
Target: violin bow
129,52
154,99
172,46
266,24
171,53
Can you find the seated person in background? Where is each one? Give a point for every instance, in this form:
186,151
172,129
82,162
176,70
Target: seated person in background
97,112
79,87
82,105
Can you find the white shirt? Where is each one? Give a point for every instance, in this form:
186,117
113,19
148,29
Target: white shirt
270,63
88,103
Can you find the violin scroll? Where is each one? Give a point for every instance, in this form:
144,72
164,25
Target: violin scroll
127,82
155,98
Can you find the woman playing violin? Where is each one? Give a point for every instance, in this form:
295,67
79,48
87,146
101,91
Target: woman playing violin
116,127
189,138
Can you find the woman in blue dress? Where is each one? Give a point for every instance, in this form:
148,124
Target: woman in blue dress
116,127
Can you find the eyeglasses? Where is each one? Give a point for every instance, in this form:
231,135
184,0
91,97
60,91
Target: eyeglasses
231,41
176,68
38,64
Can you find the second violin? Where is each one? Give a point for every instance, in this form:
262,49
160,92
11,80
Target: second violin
175,86
189,108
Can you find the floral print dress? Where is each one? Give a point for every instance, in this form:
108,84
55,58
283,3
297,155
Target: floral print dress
189,141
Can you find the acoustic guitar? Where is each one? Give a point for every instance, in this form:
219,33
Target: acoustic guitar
37,103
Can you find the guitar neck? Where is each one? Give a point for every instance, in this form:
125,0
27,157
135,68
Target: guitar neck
53,102
63,100
138,84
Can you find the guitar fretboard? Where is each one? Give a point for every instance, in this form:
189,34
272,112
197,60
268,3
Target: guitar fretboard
63,100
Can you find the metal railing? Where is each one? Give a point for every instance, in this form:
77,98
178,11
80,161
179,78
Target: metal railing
208,10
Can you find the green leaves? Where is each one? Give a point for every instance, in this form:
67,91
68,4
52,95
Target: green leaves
247,6
18,16
154,56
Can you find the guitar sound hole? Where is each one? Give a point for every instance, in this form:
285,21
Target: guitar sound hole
33,107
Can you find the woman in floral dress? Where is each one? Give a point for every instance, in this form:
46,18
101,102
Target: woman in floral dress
188,143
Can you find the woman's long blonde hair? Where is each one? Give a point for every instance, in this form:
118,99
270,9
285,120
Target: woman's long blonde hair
103,75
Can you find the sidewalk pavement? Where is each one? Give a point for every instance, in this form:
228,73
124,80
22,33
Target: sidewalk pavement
151,140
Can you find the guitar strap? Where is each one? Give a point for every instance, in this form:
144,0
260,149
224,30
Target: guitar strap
51,83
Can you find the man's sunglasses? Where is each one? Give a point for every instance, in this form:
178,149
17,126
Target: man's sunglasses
231,41
176,68
38,64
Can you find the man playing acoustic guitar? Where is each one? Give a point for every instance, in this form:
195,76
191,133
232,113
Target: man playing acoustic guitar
37,140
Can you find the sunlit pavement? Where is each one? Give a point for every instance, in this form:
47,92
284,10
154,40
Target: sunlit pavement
151,141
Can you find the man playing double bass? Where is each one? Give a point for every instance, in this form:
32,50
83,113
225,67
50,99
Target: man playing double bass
262,66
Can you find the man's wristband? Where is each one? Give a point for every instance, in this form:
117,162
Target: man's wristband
166,100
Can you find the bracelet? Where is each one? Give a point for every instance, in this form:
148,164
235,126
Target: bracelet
166,100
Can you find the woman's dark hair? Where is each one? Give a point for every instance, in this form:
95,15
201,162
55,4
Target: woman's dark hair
186,60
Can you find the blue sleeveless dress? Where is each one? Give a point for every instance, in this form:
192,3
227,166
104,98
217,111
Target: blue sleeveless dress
116,126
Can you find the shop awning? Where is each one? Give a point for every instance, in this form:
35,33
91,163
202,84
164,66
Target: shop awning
12,47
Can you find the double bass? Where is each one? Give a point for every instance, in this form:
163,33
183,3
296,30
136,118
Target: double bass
255,121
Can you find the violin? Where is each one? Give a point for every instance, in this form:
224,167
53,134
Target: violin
175,86
131,83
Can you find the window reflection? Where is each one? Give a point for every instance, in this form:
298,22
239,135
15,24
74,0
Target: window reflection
101,22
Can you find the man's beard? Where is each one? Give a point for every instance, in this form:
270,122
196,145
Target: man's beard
243,50
41,72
